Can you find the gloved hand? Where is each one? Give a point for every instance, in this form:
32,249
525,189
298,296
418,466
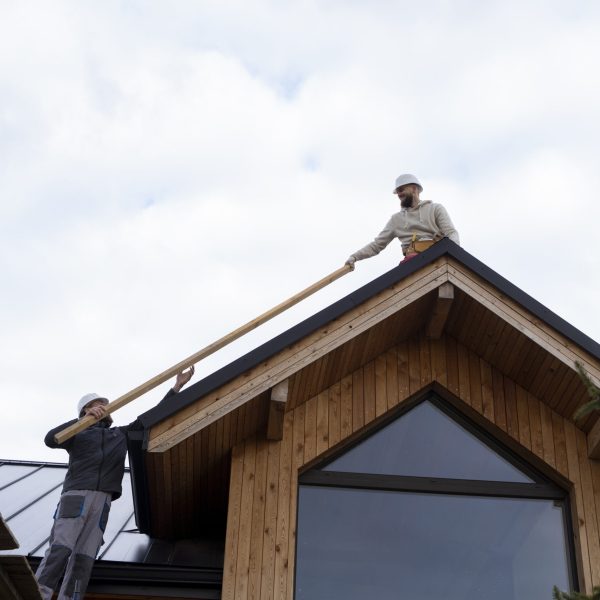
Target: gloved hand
350,262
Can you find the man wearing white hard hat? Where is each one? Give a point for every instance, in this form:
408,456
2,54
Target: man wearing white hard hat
419,223
93,481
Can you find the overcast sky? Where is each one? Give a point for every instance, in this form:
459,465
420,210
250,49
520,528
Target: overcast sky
170,170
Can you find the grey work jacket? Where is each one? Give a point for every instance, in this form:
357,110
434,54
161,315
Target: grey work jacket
96,456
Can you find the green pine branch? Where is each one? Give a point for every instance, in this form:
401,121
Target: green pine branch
558,595
593,391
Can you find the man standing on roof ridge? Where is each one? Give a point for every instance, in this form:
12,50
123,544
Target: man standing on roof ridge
93,481
418,225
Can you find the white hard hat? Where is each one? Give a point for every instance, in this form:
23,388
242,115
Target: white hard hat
85,400
405,180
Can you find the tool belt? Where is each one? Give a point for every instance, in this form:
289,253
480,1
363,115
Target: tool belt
417,246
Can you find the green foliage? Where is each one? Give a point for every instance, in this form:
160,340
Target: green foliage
593,391
558,595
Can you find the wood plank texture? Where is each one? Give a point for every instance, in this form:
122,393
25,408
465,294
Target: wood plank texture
321,425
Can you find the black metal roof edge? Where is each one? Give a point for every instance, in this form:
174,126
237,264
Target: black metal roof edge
287,338
107,571
249,360
528,302
139,482
215,380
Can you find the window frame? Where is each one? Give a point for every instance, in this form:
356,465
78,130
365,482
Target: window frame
542,488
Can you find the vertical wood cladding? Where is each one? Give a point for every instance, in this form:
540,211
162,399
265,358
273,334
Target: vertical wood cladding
261,531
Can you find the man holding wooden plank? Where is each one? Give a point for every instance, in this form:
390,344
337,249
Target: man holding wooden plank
93,481
418,225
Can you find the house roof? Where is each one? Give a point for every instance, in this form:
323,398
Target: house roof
29,494
489,315
445,247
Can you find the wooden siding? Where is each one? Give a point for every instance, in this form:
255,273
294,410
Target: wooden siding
261,536
189,483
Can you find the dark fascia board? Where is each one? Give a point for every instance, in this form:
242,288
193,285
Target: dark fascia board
124,576
176,403
179,401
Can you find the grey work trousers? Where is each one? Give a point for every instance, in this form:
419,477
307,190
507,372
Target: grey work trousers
75,539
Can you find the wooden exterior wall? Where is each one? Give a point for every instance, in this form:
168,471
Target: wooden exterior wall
261,536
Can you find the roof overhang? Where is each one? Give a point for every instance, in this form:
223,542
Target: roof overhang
445,289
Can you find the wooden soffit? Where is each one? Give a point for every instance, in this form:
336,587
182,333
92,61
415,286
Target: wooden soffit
443,296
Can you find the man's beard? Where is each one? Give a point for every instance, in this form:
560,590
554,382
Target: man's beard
406,201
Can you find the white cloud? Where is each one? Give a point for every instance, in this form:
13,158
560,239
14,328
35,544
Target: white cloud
170,172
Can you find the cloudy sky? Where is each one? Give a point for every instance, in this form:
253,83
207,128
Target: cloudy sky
170,170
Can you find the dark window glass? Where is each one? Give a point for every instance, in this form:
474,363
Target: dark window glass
357,544
425,442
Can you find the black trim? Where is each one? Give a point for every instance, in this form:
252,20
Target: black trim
542,488
121,578
430,395
431,485
177,402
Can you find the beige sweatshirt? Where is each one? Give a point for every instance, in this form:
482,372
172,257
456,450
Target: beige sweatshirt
427,220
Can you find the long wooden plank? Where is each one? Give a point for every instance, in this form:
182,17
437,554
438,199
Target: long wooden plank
310,429
245,535
370,402
335,408
283,509
580,524
270,523
424,360
403,371
487,390
438,361
591,520
464,381
535,426
593,441
440,312
391,377
138,391
499,400
381,393
346,407
215,405
358,402
476,389
233,524
258,520
297,462
322,422
523,416
452,366
547,435
510,399
560,445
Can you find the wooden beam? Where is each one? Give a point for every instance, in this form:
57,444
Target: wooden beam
440,312
85,422
212,407
593,441
279,396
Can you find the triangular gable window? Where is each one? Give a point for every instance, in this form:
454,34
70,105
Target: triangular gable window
430,506
426,442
